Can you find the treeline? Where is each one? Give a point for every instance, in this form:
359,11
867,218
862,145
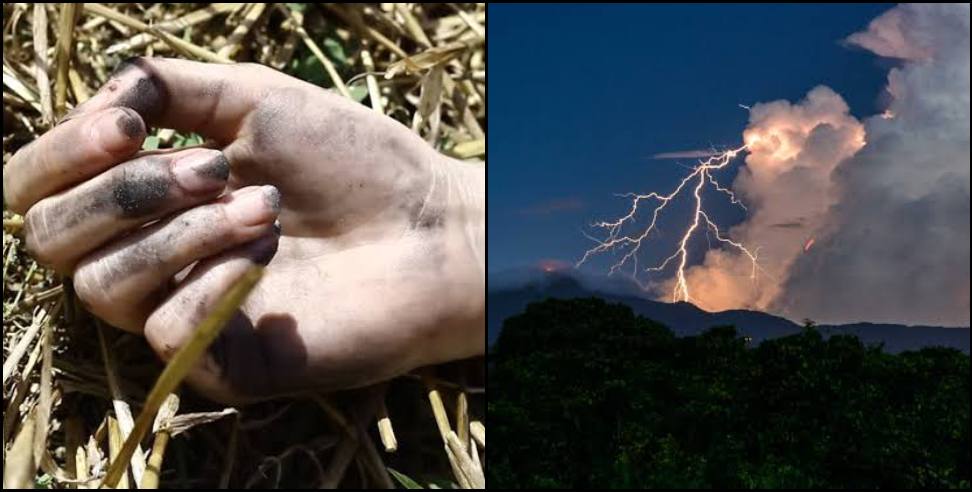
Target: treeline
586,394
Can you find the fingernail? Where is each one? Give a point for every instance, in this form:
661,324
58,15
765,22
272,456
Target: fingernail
262,250
255,208
119,130
201,172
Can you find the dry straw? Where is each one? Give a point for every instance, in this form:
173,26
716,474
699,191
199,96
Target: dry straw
72,388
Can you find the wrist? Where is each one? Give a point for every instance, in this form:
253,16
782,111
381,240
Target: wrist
461,195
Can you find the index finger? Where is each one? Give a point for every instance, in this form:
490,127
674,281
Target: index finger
207,98
70,153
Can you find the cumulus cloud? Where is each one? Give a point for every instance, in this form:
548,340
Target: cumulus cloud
895,244
793,148
884,202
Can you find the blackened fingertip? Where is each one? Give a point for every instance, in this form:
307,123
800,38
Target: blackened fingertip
272,196
130,123
263,250
216,169
276,227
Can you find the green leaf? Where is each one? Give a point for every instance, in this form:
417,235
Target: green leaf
187,140
406,482
297,7
335,50
45,482
358,92
151,143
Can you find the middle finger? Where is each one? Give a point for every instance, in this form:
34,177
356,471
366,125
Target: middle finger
65,227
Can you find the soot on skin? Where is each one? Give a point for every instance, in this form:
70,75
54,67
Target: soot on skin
272,199
130,124
148,95
142,190
217,169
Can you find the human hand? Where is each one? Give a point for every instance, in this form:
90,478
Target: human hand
377,266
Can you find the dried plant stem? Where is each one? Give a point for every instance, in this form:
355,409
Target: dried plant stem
462,420
412,25
41,65
176,43
180,365
474,476
65,48
353,17
441,416
115,441
297,19
233,43
373,92
78,88
123,411
19,465
386,430
478,431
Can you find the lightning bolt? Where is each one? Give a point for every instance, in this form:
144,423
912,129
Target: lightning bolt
700,176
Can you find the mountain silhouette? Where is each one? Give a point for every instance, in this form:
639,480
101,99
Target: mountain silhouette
517,289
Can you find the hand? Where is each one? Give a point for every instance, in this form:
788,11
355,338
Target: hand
377,266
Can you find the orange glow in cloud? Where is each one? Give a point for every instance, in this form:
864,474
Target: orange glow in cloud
550,265
791,150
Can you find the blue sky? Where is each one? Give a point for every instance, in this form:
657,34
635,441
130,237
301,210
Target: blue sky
582,97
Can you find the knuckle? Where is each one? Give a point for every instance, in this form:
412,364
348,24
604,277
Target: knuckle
89,287
10,196
159,337
37,235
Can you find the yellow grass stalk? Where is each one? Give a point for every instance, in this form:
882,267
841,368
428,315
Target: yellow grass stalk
173,26
234,42
122,409
45,402
478,431
78,88
412,24
373,93
75,457
439,410
462,420
297,19
180,365
19,466
65,48
11,416
150,481
41,65
173,41
115,443
353,18
470,149
474,476
386,430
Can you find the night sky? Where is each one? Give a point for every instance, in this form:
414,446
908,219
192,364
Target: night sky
583,96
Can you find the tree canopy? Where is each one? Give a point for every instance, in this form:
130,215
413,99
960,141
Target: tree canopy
586,394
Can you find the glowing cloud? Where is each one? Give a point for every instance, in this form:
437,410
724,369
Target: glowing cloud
851,220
